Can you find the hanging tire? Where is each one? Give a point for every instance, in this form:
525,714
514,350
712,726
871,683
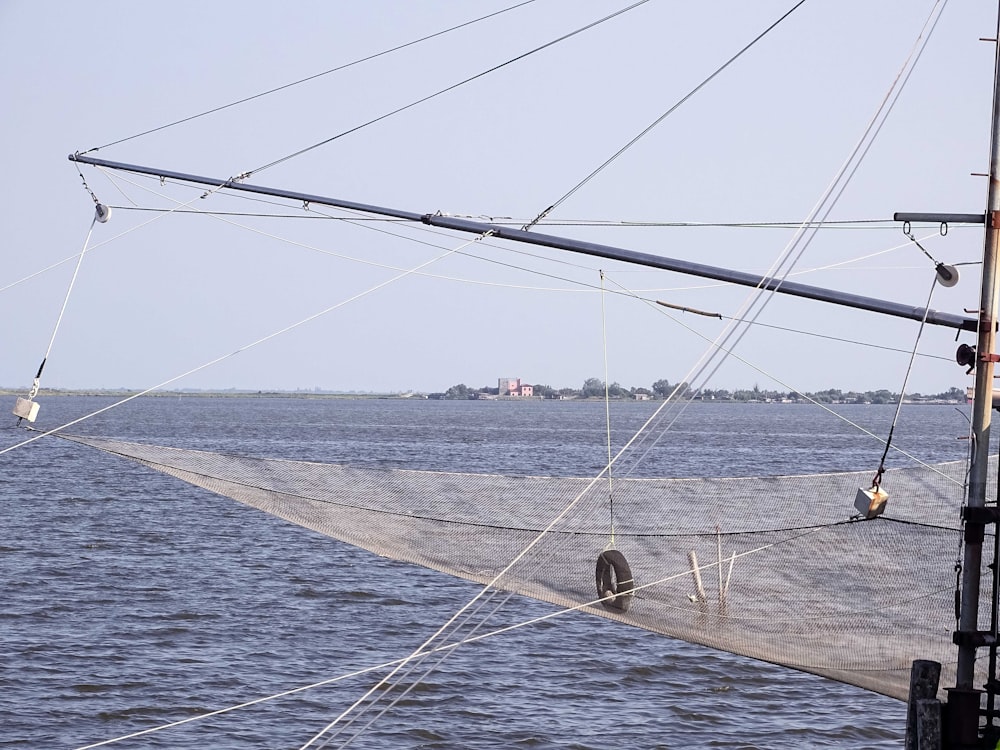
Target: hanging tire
614,581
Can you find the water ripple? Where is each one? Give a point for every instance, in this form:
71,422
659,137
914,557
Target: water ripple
131,600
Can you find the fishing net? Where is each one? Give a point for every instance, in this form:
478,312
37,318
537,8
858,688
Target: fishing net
771,568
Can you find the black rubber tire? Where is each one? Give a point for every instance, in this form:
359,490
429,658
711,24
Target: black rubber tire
614,577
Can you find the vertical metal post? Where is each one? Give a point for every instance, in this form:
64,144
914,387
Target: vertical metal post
990,731
964,699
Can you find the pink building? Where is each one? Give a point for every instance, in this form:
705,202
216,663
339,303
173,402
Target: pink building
513,387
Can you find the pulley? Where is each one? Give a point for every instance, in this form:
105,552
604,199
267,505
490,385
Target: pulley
947,276
102,213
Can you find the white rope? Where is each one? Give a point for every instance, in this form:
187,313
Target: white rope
364,261
504,571
223,357
850,224
40,271
906,378
313,77
584,287
853,225
95,247
79,261
787,258
664,116
682,404
756,302
851,261
821,210
444,655
590,485
420,653
360,219
439,92
383,696
842,340
52,339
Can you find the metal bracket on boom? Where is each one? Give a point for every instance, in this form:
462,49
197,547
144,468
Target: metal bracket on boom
966,357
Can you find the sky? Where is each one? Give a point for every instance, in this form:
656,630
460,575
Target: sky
343,302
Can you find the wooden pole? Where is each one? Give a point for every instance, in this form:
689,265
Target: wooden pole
924,678
696,573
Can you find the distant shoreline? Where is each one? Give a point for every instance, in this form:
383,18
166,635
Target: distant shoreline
405,396
125,393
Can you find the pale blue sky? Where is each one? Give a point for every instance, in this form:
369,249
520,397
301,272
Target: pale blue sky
759,143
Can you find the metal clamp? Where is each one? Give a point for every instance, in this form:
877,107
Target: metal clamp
982,514
974,638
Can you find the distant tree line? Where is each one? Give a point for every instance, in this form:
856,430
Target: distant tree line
662,389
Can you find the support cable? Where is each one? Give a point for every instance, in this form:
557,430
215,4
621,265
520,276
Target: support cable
806,531
720,348
443,652
585,286
607,415
661,118
101,214
679,404
252,344
825,205
876,482
527,548
630,293
724,344
36,383
848,224
180,208
452,87
310,78
490,584
363,220
766,374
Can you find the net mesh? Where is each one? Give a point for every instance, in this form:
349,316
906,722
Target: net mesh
785,576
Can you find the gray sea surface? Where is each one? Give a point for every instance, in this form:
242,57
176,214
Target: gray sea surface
131,600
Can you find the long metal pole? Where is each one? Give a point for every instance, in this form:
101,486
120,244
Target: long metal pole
969,637
856,301
982,405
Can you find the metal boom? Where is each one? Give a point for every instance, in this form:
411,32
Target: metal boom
792,288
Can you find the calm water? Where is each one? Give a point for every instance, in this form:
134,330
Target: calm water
131,600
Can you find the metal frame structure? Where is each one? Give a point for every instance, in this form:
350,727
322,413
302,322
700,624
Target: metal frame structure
961,725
